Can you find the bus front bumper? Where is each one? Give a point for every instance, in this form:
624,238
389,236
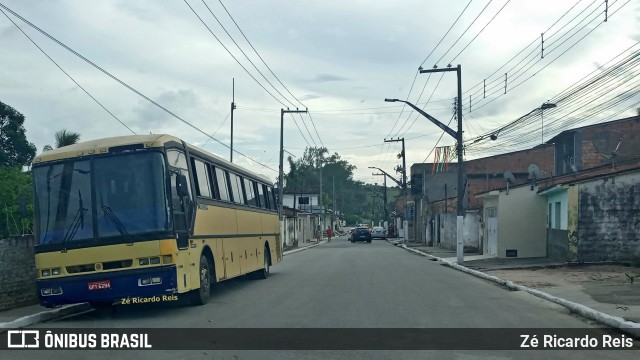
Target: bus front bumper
156,284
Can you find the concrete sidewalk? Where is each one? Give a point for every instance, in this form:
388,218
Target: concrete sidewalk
601,290
33,314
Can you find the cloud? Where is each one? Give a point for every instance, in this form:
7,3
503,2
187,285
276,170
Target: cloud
329,77
310,97
176,101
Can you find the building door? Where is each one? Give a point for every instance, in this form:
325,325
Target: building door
492,231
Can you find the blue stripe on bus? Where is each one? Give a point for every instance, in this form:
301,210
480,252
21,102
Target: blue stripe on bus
123,284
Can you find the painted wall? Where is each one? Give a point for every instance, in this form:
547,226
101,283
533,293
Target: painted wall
609,219
287,199
560,196
522,220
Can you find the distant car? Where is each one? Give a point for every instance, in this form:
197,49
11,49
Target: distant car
361,234
378,232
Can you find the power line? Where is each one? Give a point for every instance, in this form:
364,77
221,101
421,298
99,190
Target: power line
243,53
479,32
125,84
269,68
550,51
67,74
464,32
234,58
445,34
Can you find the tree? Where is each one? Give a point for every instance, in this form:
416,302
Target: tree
16,201
63,138
15,150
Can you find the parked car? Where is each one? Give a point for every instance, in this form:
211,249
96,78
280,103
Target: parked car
361,234
378,232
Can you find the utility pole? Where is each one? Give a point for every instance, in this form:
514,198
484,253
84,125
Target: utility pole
386,212
404,163
458,136
333,180
233,107
280,173
320,199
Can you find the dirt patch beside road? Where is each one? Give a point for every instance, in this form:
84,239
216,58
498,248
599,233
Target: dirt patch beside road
568,275
603,283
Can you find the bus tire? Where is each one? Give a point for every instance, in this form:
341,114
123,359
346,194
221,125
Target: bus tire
264,272
201,295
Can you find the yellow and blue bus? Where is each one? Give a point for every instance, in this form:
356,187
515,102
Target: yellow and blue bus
147,218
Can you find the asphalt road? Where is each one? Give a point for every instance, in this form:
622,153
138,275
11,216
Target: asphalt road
343,285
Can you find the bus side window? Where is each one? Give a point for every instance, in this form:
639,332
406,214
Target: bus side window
249,190
221,180
201,177
236,188
271,198
262,200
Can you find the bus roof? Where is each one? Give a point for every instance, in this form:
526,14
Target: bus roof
101,146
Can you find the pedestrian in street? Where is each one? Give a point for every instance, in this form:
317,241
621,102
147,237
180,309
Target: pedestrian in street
329,233
318,232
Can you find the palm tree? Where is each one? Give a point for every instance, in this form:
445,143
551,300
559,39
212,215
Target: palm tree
63,138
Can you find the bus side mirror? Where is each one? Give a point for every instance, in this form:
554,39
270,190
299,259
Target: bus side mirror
182,186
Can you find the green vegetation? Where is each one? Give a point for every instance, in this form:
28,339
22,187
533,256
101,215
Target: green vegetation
359,202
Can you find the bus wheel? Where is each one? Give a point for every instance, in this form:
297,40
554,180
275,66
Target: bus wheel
201,296
264,273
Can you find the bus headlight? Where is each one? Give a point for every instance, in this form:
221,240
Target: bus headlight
46,272
167,259
144,261
154,260
55,271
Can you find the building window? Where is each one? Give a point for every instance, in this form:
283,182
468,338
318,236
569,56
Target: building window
557,216
303,200
549,216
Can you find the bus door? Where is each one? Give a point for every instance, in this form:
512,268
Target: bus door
183,212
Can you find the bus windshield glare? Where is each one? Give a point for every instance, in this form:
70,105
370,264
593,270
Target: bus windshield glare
91,199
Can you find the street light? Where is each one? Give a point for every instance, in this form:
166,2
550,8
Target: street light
457,135
542,108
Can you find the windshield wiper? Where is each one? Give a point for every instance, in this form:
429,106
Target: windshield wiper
78,221
111,216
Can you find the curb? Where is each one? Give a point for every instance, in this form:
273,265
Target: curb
301,249
46,316
629,327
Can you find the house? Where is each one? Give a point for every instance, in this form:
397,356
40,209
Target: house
436,198
514,222
602,149
596,145
590,216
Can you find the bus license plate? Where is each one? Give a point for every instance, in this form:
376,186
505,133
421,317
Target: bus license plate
100,285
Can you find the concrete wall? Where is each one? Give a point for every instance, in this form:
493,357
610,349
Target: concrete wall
17,273
522,218
557,244
489,202
609,219
449,232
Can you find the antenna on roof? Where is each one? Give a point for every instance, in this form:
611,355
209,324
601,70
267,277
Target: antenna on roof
534,174
508,175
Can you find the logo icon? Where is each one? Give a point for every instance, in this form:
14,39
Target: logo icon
21,339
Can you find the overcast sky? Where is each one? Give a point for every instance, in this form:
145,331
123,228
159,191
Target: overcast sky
339,58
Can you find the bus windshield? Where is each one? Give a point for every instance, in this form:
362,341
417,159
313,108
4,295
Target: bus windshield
119,197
